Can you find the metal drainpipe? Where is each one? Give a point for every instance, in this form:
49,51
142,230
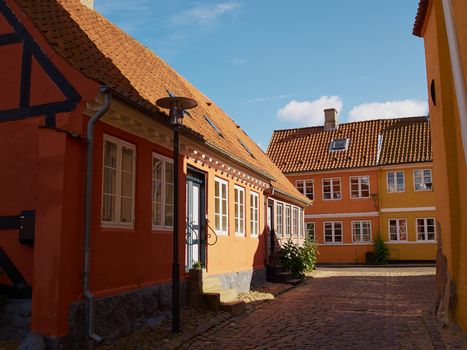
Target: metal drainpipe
88,212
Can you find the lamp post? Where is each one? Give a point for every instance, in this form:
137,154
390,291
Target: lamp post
176,105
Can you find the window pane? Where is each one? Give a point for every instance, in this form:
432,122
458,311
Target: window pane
127,159
127,185
110,180
108,208
168,219
157,213
126,210
110,154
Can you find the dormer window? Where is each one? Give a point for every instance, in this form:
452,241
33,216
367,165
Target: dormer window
214,126
339,145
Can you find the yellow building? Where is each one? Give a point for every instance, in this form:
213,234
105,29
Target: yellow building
443,26
407,211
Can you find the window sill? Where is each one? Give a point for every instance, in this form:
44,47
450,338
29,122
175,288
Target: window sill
117,228
332,199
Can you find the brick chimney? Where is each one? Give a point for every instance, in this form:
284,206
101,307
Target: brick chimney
88,3
330,119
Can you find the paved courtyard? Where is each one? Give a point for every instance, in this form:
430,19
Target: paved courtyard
342,308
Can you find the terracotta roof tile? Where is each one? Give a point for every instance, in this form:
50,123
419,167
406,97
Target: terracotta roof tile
403,140
420,17
105,53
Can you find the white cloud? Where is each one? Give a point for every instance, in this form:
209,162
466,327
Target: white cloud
309,113
388,109
267,98
238,61
204,14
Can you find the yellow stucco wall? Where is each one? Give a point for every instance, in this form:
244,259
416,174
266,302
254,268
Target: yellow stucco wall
233,253
408,205
449,167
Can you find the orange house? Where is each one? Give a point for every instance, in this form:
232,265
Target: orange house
443,26
350,171
63,65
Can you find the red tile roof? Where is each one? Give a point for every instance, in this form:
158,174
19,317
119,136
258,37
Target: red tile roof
370,143
420,17
108,55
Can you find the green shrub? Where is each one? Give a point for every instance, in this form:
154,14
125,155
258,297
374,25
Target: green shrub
299,260
381,254
198,265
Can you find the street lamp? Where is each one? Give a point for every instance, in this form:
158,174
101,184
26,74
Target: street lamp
177,107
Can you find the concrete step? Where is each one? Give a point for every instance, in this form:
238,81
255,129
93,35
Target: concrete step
211,284
236,308
215,298
275,268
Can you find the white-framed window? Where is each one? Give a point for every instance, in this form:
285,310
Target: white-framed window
118,182
287,221
280,219
295,222
361,231
305,187
332,231
360,186
395,181
300,223
398,229
220,205
422,180
339,145
426,230
332,188
239,214
162,191
254,213
310,230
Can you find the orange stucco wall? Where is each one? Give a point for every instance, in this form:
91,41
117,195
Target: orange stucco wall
344,210
449,168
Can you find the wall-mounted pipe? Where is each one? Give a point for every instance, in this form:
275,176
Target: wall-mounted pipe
88,212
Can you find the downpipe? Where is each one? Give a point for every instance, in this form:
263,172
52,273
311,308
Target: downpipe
88,213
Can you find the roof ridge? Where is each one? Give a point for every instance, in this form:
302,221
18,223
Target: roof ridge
355,122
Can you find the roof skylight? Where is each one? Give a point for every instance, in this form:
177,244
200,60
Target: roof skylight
246,148
214,126
339,145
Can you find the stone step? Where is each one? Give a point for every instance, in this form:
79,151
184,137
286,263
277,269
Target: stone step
236,308
275,268
211,284
215,298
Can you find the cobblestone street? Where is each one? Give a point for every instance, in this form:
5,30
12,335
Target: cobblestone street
342,308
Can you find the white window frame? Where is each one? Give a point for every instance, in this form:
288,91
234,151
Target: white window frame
300,224
222,197
333,229
425,226
287,221
308,226
295,222
164,160
332,180
118,183
423,183
395,181
359,185
398,232
254,213
280,223
360,224
304,189
240,209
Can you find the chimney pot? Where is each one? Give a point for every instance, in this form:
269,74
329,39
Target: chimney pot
330,119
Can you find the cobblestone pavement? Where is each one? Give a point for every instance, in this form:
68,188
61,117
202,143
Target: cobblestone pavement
355,308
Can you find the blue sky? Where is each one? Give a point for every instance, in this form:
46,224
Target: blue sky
274,64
